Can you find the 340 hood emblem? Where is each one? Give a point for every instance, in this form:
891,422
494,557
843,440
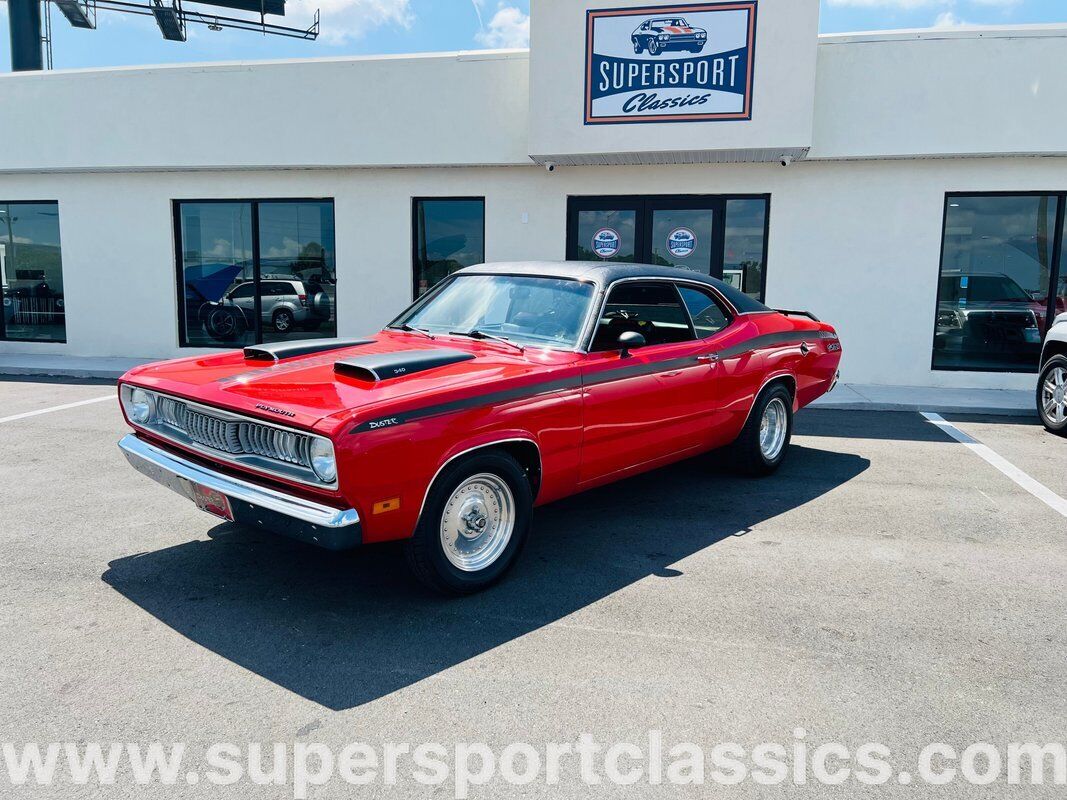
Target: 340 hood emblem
274,410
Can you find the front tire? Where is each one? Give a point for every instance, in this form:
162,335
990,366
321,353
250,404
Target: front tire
762,444
653,47
1052,395
474,524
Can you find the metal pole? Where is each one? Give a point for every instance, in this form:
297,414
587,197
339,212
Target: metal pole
24,22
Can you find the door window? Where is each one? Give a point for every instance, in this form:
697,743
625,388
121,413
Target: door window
651,309
705,311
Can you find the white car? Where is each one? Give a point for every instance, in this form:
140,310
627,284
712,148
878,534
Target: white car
1052,383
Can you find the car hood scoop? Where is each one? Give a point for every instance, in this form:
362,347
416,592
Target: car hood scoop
383,366
305,347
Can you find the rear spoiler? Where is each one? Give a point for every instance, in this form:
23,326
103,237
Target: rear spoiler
807,314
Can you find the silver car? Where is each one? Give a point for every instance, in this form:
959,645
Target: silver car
285,304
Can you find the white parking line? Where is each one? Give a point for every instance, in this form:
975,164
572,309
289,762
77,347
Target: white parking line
56,408
1038,490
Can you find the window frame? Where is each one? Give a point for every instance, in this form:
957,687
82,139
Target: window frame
644,204
179,266
1055,257
415,200
4,337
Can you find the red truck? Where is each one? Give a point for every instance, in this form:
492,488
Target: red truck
505,387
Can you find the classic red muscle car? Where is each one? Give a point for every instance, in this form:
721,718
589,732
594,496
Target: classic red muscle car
505,387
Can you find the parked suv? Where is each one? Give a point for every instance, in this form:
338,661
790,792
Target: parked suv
1052,380
286,304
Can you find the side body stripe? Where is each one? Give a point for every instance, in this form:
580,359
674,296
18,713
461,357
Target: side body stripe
606,376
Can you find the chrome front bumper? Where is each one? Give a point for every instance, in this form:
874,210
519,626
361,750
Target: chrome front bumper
258,506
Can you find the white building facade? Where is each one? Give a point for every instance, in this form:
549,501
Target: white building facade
909,187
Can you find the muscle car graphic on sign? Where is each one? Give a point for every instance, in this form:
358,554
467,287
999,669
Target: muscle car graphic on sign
668,33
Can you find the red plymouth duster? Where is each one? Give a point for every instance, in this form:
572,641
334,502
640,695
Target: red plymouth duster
505,387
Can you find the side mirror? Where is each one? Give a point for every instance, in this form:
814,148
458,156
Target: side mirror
629,340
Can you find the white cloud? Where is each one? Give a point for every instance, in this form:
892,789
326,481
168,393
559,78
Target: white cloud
1001,3
948,20
509,27
344,20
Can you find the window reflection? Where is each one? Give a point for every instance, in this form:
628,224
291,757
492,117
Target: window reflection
294,280
994,284
746,225
31,273
449,235
296,252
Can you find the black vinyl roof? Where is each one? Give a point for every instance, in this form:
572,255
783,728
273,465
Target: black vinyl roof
603,273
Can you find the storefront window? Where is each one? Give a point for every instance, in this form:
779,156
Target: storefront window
449,234
743,259
235,257
31,273
996,276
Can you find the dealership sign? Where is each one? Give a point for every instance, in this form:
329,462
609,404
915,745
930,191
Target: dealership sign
680,63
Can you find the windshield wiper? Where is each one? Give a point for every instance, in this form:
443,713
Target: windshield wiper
412,329
474,333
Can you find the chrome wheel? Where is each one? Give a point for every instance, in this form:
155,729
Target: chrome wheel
1054,396
477,522
773,426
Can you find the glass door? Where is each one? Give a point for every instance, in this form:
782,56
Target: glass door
604,229
690,232
686,234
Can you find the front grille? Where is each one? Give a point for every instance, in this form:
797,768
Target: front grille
235,437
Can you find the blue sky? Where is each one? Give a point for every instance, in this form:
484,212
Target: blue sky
404,26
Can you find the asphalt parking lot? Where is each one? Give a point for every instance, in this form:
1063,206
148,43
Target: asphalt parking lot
887,585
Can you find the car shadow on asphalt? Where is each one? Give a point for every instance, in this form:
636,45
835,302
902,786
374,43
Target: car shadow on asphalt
345,629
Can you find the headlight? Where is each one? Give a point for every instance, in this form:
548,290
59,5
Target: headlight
664,37
702,36
142,406
323,460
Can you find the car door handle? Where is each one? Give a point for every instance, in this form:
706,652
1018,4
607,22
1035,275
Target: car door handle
805,348
708,358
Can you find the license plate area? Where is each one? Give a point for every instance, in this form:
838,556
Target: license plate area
212,501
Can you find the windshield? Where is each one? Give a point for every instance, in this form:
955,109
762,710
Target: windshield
548,312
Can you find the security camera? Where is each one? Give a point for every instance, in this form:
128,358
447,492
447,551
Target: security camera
786,161
550,166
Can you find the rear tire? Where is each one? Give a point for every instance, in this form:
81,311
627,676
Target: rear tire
283,320
762,444
474,524
1051,399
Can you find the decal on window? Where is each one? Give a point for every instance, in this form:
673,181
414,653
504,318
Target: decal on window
681,242
606,242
